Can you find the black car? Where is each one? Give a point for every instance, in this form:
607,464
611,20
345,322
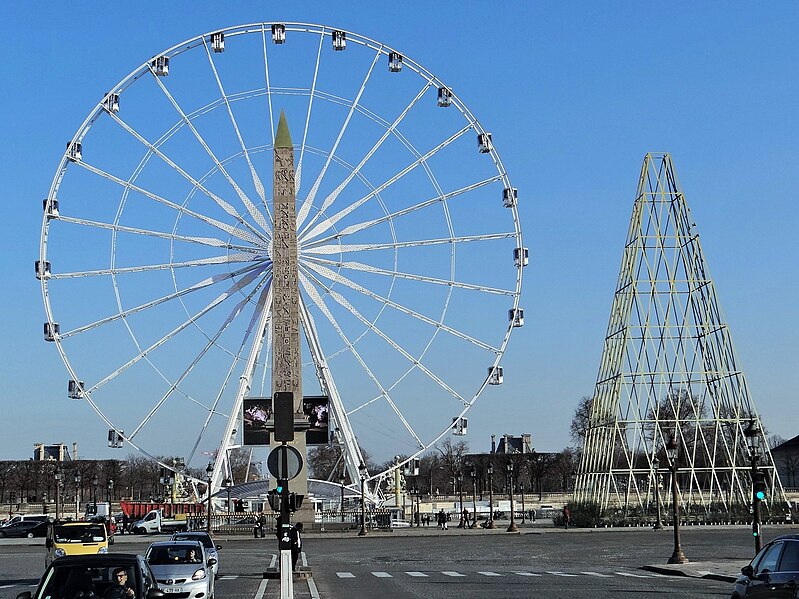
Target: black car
96,576
774,573
26,528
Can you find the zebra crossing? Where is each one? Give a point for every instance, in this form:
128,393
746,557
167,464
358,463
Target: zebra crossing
492,574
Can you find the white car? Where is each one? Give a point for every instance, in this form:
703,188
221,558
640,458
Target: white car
208,543
182,569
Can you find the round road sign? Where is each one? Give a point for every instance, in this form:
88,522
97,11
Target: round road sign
284,461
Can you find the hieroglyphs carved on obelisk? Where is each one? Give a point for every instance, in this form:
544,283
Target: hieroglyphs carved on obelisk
286,359
286,355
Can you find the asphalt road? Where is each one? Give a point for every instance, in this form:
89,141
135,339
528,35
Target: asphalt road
461,564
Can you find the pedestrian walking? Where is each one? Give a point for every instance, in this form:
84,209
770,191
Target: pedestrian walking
567,516
296,544
442,519
260,525
125,523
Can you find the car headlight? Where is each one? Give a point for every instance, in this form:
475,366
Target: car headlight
59,553
198,575
102,550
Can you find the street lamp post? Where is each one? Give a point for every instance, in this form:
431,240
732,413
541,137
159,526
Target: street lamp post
227,483
474,498
78,492
672,451
521,491
656,467
363,474
341,503
209,472
459,477
95,482
512,526
58,476
752,434
110,487
491,497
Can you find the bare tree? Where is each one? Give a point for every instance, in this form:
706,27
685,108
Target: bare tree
580,420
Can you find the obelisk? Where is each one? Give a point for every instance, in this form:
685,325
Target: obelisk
286,355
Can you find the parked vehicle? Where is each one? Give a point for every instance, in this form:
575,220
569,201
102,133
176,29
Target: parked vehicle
25,517
137,510
774,572
26,528
75,538
93,575
155,521
203,537
101,509
182,568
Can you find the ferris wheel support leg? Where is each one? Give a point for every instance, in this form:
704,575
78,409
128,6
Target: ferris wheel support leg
344,432
221,462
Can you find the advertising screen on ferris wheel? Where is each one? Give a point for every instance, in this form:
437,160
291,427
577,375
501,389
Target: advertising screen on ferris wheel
256,411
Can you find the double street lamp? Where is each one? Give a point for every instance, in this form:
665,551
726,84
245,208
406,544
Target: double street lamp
363,473
95,482
512,527
521,491
459,478
110,487
341,503
491,497
672,452
227,483
753,436
78,492
473,474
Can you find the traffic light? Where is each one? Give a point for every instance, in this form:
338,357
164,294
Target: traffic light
274,500
755,529
295,501
283,405
759,485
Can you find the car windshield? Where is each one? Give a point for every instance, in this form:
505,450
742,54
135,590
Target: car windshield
204,539
90,533
173,554
67,581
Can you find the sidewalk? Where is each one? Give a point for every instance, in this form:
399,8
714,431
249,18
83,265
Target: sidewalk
725,571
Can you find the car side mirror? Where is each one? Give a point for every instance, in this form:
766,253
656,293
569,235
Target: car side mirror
748,571
211,561
24,595
155,594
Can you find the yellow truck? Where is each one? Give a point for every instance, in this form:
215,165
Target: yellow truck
75,538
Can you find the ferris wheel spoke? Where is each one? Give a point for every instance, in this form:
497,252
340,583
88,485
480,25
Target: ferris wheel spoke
336,277
208,241
231,230
342,301
311,95
243,282
333,219
356,171
365,247
315,188
259,187
362,226
213,280
211,342
157,151
359,266
227,259
248,204
263,301
317,299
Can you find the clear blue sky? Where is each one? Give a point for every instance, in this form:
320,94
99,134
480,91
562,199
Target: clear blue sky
574,93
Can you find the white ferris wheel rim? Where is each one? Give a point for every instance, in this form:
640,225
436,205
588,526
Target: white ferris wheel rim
261,28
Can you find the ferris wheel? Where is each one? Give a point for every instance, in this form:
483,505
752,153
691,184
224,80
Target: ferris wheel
156,241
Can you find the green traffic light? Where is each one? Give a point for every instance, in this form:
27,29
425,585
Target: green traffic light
755,534
760,495
279,489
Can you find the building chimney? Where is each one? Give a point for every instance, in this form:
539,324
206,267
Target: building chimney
493,444
74,452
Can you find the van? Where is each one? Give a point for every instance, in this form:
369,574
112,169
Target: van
27,517
75,538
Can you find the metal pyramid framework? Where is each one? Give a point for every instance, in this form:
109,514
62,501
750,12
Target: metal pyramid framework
668,370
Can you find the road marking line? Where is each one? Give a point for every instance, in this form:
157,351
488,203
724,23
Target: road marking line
382,575
416,574
453,574
527,574
631,575
273,561
304,559
598,574
345,574
560,573
312,589
259,594
229,577
489,574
